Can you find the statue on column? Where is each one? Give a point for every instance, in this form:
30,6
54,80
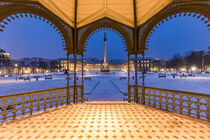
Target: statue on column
105,65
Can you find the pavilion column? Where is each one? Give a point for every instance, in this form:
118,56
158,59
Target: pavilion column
75,35
136,79
143,78
82,90
75,79
129,90
68,82
135,43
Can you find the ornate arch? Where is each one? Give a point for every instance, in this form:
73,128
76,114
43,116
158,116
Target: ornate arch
11,11
198,10
86,32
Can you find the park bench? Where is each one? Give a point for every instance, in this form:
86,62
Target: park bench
48,77
36,77
161,75
183,75
87,78
21,78
191,75
27,79
122,78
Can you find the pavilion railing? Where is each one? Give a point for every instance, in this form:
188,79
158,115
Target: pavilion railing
27,103
187,103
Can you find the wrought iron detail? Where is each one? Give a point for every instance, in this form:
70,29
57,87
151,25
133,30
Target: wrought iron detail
15,105
186,103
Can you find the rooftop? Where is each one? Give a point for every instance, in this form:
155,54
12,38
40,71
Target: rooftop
2,50
105,120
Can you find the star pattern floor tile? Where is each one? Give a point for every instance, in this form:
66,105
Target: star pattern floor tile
105,121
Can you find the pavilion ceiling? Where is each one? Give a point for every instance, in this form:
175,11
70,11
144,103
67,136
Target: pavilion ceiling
91,10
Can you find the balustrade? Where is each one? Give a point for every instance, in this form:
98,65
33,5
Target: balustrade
27,103
187,103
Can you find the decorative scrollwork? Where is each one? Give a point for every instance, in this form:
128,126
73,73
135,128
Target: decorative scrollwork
14,105
35,10
174,10
125,33
186,103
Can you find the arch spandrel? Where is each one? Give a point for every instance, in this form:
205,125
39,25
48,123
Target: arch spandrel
172,11
9,11
125,32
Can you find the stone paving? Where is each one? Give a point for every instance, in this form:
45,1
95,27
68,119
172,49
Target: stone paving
105,121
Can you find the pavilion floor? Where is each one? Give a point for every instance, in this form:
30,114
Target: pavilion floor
105,121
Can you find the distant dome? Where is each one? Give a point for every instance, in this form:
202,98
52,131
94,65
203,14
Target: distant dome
2,51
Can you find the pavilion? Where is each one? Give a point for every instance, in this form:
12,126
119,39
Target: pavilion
62,113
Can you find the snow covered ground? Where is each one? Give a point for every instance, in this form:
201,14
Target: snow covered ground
198,84
105,89
9,85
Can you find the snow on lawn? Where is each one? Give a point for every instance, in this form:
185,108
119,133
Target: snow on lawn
199,84
9,85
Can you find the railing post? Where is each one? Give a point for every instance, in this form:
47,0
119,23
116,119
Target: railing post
173,102
129,90
15,109
67,78
208,109
143,78
154,92
56,99
198,107
181,103
82,89
45,101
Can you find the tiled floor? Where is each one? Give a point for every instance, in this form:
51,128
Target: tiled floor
105,121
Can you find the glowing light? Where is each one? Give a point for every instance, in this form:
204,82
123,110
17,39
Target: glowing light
26,71
193,68
183,69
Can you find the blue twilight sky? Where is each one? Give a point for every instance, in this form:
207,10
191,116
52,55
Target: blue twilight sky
28,37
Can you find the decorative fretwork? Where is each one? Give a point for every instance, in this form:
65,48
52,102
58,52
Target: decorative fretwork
187,103
86,32
131,92
14,105
36,10
197,9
